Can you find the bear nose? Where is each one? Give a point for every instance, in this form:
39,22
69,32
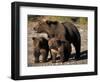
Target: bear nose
51,47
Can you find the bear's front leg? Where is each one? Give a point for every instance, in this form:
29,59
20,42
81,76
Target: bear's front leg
36,55
61,57
44,55
54,53
53,57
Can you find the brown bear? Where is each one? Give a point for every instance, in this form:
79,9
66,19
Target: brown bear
63,48
40,46
63,31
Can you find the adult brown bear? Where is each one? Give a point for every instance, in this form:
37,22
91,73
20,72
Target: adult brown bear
62,31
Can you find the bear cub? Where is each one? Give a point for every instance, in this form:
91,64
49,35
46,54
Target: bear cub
40,47
63,48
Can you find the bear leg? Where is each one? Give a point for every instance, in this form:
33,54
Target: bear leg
36,56
53,58
44,54
77,48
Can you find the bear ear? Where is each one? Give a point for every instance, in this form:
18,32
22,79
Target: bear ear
48,22
51,22
39,22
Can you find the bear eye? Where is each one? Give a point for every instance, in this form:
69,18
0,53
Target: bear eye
34,28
